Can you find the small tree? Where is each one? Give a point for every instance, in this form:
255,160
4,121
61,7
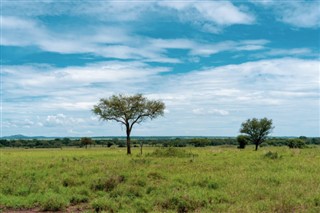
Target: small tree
296,143
128,110
243,141
257,129
86,141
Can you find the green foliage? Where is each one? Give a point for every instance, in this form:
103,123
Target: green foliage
296,143
104,204
154,141
242,140
128,110
257,129
53,202
86,141
181,204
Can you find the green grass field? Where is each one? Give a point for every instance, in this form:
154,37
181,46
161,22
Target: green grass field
211,179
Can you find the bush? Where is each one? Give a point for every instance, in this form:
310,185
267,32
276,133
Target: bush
104,204
242,140
171,152
207,183
53,202
272,155
296,143
107,184
155,176
181,204
76,199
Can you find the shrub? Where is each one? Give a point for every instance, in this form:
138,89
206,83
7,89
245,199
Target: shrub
296,143
109,144
207,183
181,204
76,199
141,206
242,140
107,184
272,155
171,152
53,202
155,176
103,204
140,161
68,181
317,201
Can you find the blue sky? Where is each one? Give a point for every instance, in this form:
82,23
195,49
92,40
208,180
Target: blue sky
214,64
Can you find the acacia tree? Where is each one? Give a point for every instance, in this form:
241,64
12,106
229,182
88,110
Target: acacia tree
257,129
86,141
128,110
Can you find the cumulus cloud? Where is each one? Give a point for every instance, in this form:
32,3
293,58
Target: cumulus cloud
305,14
63,96
278,88
58,119
21,27
202,111
210,14
110,42
24,123
301,14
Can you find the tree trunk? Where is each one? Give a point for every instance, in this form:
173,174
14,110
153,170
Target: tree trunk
141,145
128,141
257,144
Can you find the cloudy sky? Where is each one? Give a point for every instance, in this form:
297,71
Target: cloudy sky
213,63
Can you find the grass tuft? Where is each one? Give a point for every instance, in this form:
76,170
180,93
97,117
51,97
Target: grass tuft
171,152
272,155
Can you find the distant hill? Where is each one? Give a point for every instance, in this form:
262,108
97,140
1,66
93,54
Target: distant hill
21,137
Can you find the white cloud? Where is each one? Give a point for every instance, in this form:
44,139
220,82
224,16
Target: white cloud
202,111
210,49
304,14
272,88
223,13
280,89
294,51
104,72
111,42
126,11
173,43
301,14
220,13
196,48
61,120
284,52
103,41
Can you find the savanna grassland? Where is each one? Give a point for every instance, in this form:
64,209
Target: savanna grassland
210,179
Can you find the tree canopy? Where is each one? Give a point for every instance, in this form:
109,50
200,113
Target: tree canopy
128,110
257,129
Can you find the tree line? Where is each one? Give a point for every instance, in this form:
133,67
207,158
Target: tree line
157,142
135,109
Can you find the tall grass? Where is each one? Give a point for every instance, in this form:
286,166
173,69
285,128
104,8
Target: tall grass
212,179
